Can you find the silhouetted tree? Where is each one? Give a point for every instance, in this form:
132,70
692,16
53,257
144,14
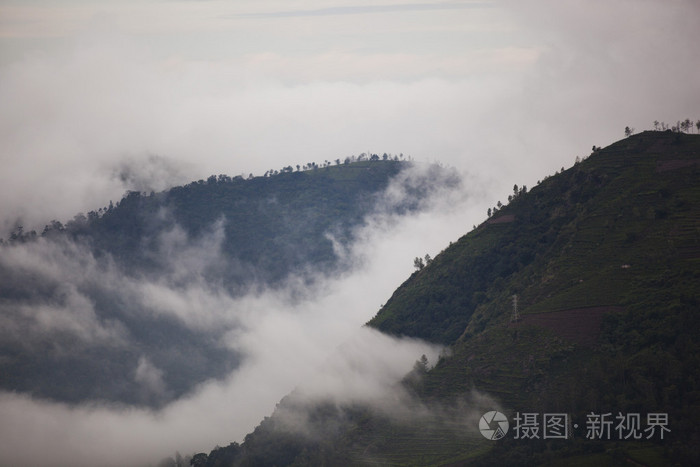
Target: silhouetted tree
689,124
199,460
421,365
418,263
181,461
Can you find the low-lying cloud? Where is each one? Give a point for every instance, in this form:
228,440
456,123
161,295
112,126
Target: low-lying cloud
239,354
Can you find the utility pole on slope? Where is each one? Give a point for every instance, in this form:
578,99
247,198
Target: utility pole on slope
516,315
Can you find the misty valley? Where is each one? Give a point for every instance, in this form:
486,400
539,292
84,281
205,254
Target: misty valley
136,303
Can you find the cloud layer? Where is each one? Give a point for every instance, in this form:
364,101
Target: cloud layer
501,89
258,347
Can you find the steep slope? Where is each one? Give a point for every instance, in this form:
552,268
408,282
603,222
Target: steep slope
132,303
604,259
608,304
580,239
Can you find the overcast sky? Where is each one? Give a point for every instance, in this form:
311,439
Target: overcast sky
176,90
508,90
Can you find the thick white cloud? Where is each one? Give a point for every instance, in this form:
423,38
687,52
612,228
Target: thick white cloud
278,92
506,88
291,337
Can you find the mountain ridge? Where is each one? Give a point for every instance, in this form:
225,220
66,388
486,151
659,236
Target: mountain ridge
607,251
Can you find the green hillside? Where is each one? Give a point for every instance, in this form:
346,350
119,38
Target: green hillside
604,259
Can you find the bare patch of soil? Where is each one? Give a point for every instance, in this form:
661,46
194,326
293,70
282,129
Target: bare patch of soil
580,325
665,166
504,219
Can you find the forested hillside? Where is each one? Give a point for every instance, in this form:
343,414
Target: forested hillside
581,296
271,226
132,303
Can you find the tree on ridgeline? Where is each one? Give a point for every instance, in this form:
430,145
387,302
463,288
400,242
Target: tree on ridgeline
418,263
